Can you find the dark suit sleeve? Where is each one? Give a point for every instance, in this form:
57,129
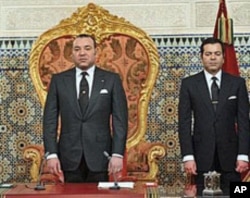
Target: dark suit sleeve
50,119
184,120
119,117
243,119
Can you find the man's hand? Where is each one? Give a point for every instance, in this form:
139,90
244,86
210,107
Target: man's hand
54,167
115,164
241,166
190,167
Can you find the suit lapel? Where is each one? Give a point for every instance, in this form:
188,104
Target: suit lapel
203,91
224,90
98,84
70,84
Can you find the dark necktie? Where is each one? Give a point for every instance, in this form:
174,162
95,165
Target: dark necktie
215,93
84,93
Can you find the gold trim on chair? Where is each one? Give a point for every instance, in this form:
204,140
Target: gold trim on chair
94,20
34,154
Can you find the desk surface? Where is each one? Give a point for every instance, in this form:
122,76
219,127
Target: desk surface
71,190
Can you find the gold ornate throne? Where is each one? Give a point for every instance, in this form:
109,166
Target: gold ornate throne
122,48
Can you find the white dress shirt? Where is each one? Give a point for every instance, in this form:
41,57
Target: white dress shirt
89,78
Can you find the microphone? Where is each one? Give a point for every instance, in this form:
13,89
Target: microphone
116,186
39,185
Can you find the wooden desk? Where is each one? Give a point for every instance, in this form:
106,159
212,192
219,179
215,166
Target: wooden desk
72,191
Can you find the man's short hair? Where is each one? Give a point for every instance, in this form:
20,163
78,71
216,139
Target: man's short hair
211,40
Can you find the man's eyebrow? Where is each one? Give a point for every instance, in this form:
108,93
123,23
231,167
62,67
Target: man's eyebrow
213,51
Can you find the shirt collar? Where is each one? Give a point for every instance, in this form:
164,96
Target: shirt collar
208,76
90,71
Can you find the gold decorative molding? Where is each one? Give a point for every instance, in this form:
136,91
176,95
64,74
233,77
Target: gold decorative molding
33,154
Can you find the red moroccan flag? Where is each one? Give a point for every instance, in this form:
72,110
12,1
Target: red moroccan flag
223,30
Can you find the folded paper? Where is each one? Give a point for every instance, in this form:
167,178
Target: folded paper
120,184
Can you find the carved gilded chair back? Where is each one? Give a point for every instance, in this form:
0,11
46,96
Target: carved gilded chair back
122,48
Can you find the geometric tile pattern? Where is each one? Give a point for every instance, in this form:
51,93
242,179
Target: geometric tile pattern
21,111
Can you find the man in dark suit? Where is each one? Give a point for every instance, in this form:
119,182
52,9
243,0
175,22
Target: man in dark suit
85,133
214,134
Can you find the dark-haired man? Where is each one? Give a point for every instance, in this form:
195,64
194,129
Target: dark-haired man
88,100
214,128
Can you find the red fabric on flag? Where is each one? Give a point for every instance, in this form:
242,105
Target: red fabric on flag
230,64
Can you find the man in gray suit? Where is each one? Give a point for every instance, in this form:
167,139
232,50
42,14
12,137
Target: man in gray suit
86,133
214,132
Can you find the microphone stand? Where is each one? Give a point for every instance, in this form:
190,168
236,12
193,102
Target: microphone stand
116,186
39,185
